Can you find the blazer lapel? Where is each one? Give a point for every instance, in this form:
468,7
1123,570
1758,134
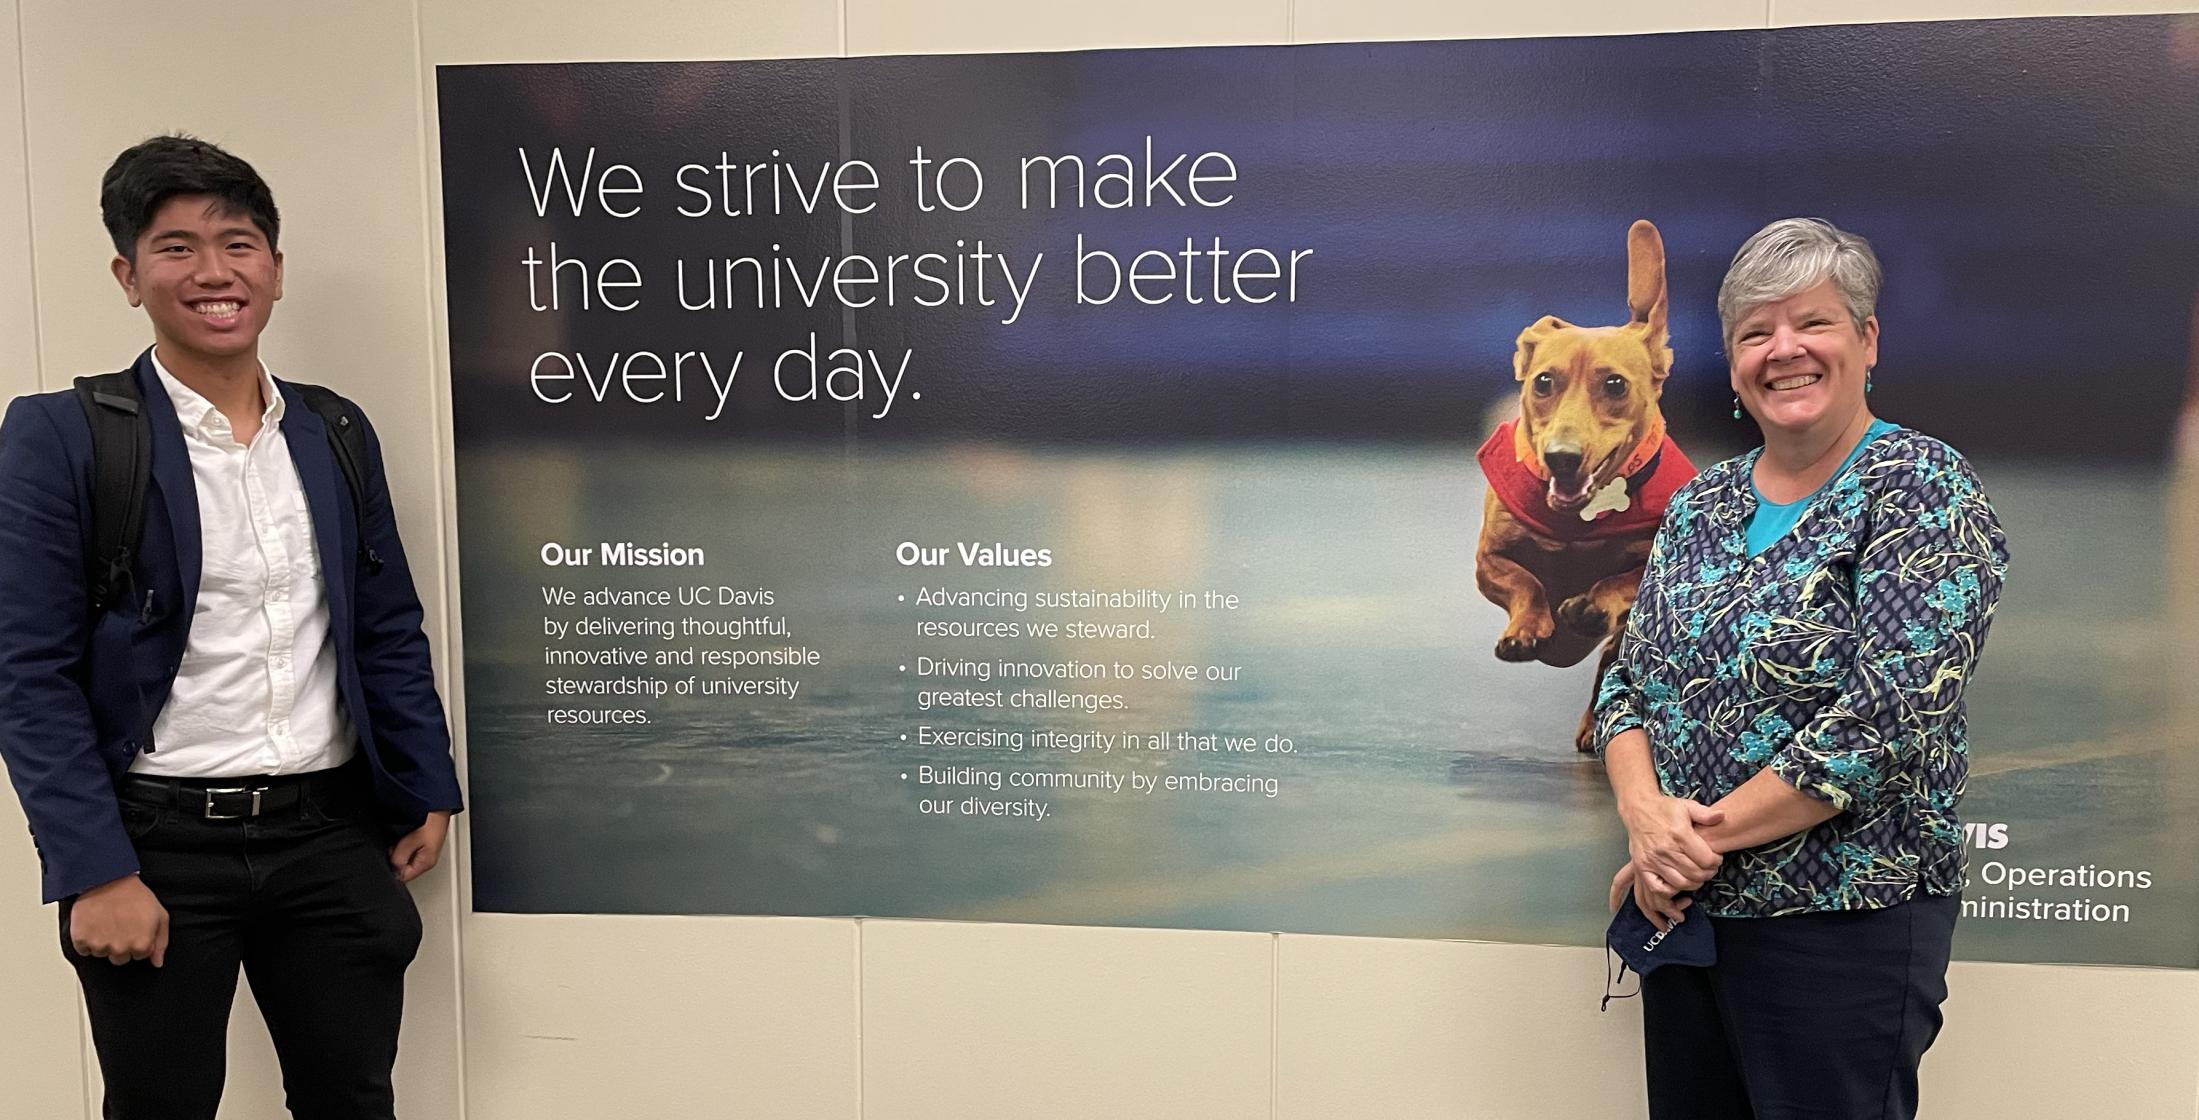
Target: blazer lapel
171,475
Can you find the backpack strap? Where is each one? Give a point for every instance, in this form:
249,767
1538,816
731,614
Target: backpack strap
122,469
122,464
347,439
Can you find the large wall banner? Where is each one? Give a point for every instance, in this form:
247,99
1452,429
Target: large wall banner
1050,487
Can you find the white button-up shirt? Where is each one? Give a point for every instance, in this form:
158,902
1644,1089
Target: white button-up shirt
256,693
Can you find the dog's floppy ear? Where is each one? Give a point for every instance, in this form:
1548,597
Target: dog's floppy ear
1536,331
1645,291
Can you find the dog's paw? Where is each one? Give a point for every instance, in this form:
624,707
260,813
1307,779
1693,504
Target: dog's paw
1585,740
1523,640
1581,615
1510,648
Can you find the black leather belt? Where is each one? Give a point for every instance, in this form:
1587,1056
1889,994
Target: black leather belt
231,799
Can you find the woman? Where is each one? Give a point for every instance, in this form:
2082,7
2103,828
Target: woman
1783,728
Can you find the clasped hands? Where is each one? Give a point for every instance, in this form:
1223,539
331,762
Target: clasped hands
1669,856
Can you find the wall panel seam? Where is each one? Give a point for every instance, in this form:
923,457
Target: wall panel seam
1275,1026
30,226
862,1069
454,929
89,1090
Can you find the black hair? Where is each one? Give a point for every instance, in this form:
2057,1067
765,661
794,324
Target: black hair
142,180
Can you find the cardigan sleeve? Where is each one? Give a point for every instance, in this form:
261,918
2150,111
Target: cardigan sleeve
1928,574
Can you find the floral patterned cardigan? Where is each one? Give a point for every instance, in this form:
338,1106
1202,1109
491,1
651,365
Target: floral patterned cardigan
1837,657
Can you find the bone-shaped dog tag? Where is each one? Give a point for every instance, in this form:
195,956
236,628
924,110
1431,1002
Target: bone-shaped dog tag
1611,499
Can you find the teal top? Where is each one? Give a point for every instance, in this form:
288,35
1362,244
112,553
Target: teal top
1772,520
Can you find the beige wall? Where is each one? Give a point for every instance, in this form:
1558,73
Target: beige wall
555,1017
40,1061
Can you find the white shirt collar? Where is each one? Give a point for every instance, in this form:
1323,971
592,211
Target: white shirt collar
199,414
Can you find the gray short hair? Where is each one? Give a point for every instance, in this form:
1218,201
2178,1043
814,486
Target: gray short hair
1793,254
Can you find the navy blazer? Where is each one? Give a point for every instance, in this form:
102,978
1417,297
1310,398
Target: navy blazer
78,695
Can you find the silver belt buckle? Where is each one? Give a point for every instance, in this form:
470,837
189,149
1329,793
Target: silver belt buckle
253,812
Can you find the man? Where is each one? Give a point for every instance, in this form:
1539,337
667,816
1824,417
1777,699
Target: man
215,765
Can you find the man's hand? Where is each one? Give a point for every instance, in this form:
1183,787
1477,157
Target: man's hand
121,921
412,856
1662,839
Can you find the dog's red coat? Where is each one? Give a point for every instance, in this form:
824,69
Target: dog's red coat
1526,497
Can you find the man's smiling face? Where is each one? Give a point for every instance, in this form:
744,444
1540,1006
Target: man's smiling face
208,278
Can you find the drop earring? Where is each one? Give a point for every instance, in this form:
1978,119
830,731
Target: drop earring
1737,405
1868,384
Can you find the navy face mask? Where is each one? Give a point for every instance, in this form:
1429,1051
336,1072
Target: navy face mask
1641,947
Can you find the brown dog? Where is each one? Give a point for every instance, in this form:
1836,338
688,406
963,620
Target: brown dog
1579,481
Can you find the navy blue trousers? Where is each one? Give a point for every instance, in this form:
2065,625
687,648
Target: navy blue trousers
1804,1017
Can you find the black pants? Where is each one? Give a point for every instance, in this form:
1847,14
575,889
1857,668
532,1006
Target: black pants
302,898
1803,1017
